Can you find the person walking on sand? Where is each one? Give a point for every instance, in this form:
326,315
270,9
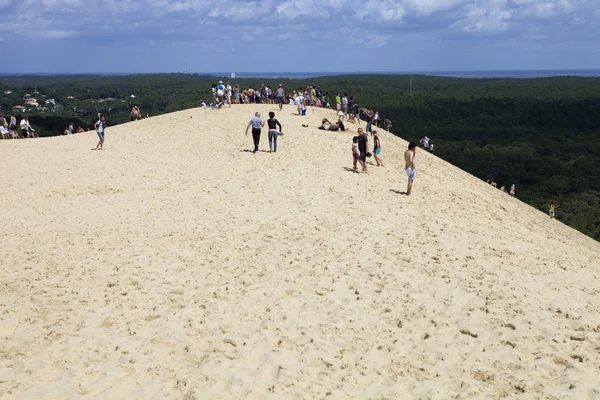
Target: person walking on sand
377,149
272,123
363,148
256,123
280,96
552,210
512,190
99,126
409,166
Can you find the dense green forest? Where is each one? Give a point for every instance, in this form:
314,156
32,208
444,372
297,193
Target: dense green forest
541,134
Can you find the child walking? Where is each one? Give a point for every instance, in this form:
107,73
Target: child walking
377,149
355,152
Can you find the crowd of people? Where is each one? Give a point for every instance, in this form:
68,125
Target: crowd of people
360,144
10,129
492,182
346,106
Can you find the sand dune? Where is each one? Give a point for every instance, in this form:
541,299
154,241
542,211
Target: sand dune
176,264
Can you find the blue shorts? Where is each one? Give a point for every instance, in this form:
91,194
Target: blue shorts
101,135
377,151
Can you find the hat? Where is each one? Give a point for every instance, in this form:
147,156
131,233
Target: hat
220,81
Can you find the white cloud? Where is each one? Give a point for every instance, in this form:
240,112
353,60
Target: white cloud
427,7
486,17
164,20
55,34
369,39
380,10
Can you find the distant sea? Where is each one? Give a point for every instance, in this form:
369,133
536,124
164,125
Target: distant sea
454,74
519,74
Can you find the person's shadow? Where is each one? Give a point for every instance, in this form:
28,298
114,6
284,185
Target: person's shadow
397,191
352,170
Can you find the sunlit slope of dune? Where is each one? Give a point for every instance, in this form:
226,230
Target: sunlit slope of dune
177,264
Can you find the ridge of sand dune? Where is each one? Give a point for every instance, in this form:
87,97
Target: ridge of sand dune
175,264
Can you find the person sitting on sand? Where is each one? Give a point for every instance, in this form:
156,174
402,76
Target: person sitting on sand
328,126
256,123
4,133
377,149
272,123
409,166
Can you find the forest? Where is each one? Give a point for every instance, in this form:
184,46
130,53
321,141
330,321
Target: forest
541,134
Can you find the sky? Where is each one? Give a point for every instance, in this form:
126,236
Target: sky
140,36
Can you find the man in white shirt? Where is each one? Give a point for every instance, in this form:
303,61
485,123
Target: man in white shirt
26,128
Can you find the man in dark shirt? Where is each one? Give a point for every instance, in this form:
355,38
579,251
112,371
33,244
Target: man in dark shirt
363,148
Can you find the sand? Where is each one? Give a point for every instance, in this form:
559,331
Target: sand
176,264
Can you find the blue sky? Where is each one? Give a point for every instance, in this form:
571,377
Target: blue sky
60,36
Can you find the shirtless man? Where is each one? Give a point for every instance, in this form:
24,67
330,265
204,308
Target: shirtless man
409,165
135,113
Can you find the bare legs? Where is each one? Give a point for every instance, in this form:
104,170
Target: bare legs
409,187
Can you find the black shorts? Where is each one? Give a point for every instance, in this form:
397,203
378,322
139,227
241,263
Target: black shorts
362,156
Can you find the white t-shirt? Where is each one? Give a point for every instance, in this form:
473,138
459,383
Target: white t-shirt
355,148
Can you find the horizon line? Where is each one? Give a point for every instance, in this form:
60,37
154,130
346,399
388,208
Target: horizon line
304,72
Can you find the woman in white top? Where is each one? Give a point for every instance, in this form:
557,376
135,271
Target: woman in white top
26,128
228,90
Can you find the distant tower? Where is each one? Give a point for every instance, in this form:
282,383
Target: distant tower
233,75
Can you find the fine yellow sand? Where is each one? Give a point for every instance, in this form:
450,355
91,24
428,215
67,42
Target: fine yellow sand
176,264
